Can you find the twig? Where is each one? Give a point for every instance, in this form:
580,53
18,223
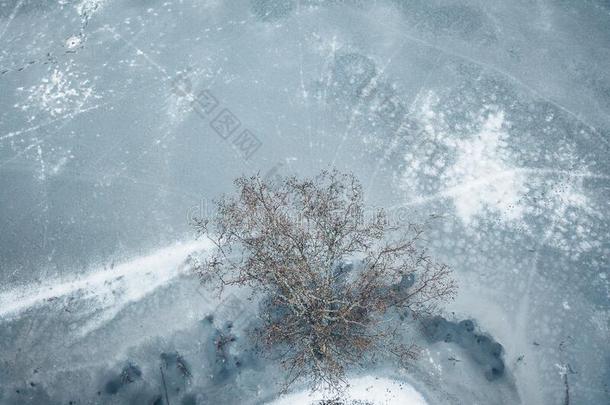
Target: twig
164,386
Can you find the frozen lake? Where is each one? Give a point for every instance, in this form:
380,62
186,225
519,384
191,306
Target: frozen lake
121,121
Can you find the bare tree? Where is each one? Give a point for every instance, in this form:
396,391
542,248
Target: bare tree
332,277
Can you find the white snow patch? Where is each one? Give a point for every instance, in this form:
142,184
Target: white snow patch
109,289
86,8
474,172
368,389
482,179
476,168
61,93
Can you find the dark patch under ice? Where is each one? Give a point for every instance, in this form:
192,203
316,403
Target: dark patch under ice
481,348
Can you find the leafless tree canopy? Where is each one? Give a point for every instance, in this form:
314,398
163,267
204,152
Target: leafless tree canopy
329,273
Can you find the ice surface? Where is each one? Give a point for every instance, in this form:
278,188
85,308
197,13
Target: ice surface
492,115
